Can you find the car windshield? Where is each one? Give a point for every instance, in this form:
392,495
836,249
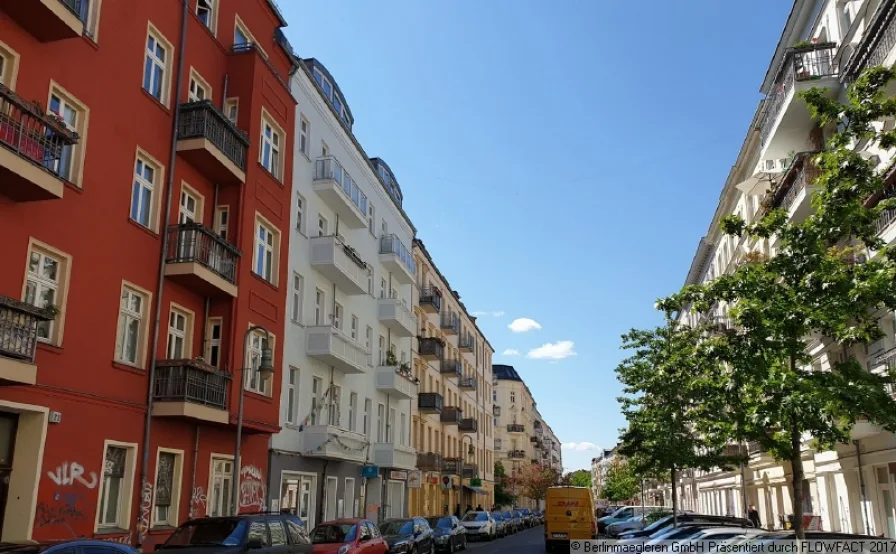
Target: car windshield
397,527
208,532
476,516
507,515
334,533
658,524
439,522
518,513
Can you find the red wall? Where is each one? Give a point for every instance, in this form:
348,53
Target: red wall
101,400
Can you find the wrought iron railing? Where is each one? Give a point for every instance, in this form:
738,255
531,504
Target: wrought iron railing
451,367
800,175
451,415
496,411
430,401
18,328
801,64
470,471
452,466
432,297
450,321
468,383
191,381
887,359
878,40
191,242
466,342
431,346
516,428
468,425
391,244
429,461
203,119
516,454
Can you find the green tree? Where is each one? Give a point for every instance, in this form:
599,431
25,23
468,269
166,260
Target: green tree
580,478
818,284
503,486
621,484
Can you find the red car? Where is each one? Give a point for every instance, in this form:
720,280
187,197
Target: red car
348,536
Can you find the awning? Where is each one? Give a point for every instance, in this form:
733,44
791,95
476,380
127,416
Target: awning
477,490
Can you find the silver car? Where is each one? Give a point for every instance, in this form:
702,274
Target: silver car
480,525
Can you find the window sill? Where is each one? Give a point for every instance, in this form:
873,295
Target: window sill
128,367
143,228
265,281
305,155
155,101
259,396
299,231
278,180
72,186
297,323
110,531
49,347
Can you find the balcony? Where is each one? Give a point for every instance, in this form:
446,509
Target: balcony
333,443
397,317
450,322
430,300
212,143
394,456
201,260
397,259
468,425
534,440
468,383
19,324
516,428
466,343
35,148
395,382
339,263
451,368
470,471
430,348
340,192
786,121
429,461
794,191
452,466
879,36
451,415
430,403
47,20
190,389
496,410
516,454
334,348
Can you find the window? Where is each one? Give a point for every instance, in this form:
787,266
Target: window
69,114
213,342
380,422
9,66
382,287
319,308
384,227
368,344
512,397
156,67
371,217
221,483
366,424
317,386
300,213
46,281
335,412
298,292
167,488
304,129
321,225
131,339
271,145
232,109
352,410
390,426
278,533
115,493
205,10
267,248
243,37
370,281
354,327
147,176
337,315
324,150
291,395
199,87
190,207
222,219
401,433
253,380
180,323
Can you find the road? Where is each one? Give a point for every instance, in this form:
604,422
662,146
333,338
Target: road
530,541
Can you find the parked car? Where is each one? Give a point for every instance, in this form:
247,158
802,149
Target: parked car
266,532
685,532
480,525
528,519
661,525
87,546
514,524
408,535
710,537
348,536
844,542
501,524
450,535
622,514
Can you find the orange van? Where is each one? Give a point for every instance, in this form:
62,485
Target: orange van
568,516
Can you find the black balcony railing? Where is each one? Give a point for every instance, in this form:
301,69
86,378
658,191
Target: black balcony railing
516,428
432,297
516,454
191,381
801,174
451,415
452,466
496,410
431,346
468,425
430,401
450,321
204,120
429,461
466,342
18,328
878,40
451,367
32,134
470,471
754,447
805,63
191,242
469,383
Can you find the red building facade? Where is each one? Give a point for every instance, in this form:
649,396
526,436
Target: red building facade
135,260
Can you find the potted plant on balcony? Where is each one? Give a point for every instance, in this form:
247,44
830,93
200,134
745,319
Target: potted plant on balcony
405,369
391,360
353,254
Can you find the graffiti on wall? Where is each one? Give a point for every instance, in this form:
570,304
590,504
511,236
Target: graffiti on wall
252,489
70,473
120,539
145,509
198,502
65,509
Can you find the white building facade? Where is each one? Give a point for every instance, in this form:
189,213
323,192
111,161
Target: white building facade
345,446
825,43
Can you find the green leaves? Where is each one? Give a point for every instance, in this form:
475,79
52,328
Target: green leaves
621,483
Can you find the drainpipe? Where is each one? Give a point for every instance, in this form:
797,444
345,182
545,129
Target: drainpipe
224,99
147,425
862,489
386,501
193,474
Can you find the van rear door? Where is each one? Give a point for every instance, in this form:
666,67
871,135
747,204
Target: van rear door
568,514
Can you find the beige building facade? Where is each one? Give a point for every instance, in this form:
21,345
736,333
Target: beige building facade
452,427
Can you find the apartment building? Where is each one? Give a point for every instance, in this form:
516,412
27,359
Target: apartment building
522,436
347,388
600,465
825,43
145,173
452,419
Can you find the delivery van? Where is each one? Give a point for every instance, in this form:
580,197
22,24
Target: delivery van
568,516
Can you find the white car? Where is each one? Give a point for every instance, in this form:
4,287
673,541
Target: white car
480,525
710,538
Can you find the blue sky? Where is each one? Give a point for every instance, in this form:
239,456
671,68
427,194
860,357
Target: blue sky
560,160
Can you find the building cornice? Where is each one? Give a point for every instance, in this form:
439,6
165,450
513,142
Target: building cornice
786,39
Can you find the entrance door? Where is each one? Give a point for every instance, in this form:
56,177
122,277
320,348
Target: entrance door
8,424
885,487
297,497
395,498
330,499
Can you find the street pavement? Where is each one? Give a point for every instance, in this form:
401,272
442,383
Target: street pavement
530,541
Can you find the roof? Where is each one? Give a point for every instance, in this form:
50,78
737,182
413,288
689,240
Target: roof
796,13
314,63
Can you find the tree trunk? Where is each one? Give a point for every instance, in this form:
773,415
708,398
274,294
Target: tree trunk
796,462
674,474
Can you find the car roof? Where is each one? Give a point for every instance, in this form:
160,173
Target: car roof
352,520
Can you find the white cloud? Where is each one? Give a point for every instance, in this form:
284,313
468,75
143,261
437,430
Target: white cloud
580,446
511,352
497,313
553,351
523,325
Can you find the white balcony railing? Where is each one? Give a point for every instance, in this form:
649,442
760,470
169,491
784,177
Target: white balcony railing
397,317
334,443
396,456
339,263
334,348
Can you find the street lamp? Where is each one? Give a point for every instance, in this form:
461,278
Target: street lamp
265,370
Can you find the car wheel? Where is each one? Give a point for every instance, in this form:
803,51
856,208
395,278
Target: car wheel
432,547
